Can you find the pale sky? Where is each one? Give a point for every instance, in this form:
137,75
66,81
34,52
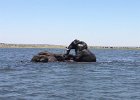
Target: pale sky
97,22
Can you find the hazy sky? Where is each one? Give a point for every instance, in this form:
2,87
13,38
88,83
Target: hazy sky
97,22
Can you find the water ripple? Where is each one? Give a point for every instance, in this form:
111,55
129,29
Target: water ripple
115,76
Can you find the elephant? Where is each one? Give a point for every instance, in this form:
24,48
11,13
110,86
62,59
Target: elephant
50,57
76,44
39,58
82,54
85,55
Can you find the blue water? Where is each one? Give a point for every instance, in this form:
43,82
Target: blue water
115,76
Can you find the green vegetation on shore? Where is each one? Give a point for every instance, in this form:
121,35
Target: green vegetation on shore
5,45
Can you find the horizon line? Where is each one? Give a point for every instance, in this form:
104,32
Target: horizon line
105,46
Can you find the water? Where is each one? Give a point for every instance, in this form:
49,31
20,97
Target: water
115,76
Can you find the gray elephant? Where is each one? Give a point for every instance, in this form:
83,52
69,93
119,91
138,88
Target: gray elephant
82,53
85,56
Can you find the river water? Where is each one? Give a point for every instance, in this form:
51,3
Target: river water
115,76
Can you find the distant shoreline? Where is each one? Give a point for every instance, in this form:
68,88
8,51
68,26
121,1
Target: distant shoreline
7,45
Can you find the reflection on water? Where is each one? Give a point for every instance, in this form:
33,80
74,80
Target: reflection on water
115,76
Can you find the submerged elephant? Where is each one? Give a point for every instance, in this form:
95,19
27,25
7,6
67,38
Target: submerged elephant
85,56
82,56
51,57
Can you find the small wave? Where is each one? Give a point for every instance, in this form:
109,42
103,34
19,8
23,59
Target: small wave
117,61
7,68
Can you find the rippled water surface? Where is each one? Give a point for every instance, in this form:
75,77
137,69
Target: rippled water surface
115,76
